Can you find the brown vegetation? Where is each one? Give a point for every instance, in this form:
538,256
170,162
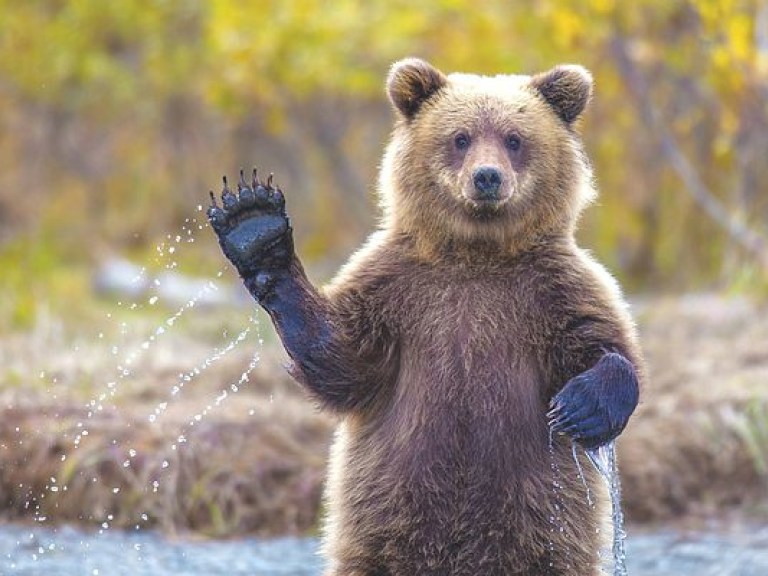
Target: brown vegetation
250,463
699,441
255,464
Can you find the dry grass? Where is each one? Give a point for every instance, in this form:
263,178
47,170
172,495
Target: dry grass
255,463
74,448
228,477
698,443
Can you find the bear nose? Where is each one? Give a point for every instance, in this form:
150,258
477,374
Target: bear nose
487,181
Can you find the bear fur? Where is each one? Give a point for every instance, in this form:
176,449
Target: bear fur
446,339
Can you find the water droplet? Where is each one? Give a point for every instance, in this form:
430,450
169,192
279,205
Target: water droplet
604,460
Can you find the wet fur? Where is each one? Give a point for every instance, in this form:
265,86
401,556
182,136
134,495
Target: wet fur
448,470
442,342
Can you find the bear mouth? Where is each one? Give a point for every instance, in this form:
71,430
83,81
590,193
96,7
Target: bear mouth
485,209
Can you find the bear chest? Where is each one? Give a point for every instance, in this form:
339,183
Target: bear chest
468,384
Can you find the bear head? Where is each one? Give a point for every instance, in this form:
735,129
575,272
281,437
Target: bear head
488,160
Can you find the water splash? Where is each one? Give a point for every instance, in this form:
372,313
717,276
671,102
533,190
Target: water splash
556,523
220,398
126,356
604,460
574,451
194,372
124,366
223,395
125,350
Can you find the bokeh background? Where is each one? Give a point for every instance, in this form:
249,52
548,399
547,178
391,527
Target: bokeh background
116,118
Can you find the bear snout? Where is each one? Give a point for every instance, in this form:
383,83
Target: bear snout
487,181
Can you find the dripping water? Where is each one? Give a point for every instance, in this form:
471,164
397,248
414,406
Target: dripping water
556,521
604,461
574,449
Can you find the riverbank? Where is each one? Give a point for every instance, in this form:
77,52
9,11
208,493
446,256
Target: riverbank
195,437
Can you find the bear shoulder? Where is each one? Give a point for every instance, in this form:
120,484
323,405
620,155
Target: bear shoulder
380,259
582,296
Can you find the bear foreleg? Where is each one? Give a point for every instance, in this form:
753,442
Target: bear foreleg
255,235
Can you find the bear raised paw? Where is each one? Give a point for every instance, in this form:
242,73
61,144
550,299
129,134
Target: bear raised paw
253,231
466,329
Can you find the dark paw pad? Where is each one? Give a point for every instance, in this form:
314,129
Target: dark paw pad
594,407
252,227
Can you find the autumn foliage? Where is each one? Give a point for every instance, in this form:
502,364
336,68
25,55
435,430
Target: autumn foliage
117,117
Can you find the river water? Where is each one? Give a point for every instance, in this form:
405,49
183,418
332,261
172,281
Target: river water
36,551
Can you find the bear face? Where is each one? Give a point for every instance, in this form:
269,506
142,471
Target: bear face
477,158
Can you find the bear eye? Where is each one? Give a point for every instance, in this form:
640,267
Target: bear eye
512,142
461,141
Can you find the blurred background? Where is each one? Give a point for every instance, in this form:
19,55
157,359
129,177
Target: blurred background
116,118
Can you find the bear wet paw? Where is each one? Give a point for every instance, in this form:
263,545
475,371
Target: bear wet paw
594,407
254,231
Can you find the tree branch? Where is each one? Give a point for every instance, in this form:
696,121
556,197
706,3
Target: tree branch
751,241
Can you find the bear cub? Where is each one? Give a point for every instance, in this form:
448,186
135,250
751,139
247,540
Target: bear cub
467,344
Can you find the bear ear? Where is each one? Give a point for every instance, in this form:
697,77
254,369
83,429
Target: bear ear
411,82
567,88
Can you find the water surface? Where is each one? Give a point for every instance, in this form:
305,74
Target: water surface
40,551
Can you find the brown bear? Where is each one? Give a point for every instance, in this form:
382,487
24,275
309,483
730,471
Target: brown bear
467,329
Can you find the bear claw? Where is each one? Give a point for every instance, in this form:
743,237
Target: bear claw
253,229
